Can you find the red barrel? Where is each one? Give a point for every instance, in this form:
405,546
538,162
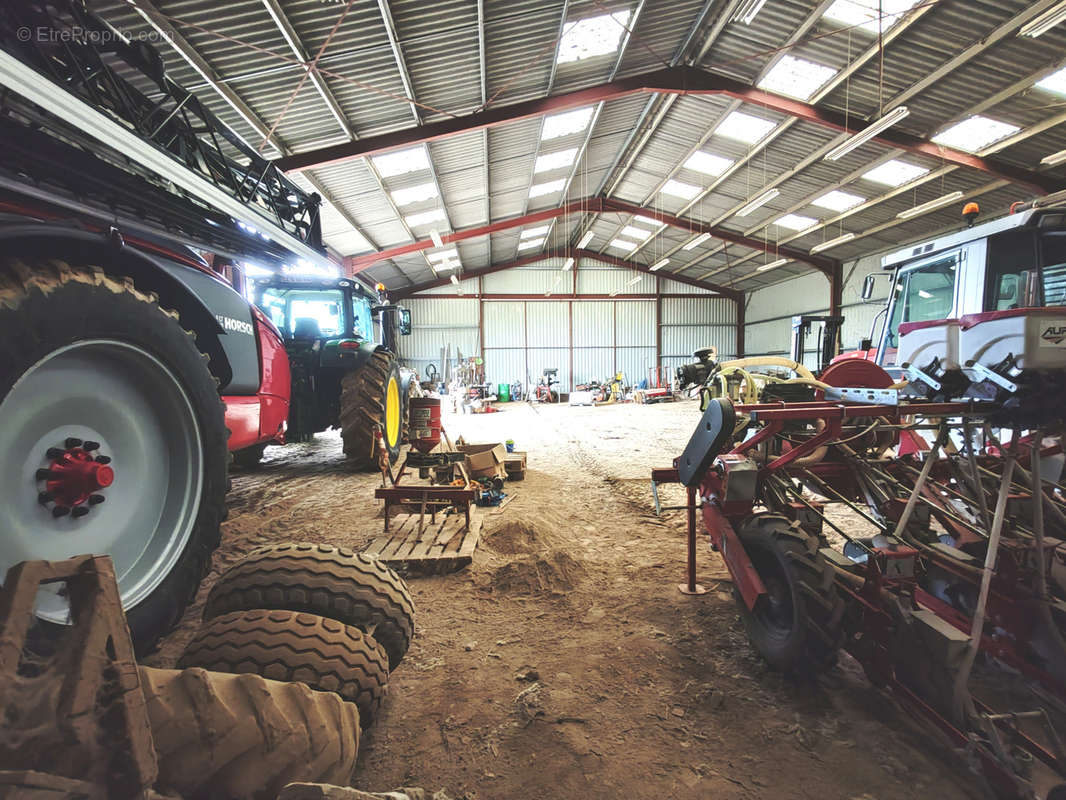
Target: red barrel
425,423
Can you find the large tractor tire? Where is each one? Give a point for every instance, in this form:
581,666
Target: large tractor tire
318,579
372,399
242,737
113,439
796,626
327,655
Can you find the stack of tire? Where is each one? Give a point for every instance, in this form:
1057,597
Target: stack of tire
335,620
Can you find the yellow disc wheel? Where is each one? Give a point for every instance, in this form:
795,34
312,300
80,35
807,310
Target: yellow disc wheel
392,413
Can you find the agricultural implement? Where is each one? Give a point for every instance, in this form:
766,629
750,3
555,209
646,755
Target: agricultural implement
911,514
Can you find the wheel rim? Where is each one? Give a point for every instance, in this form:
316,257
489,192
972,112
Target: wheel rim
392,412
775,612
86,399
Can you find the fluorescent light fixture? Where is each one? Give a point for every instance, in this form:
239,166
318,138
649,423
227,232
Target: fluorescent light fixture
708,163
795,222
454,279
748,11
795,77
838,201
549,187
622,244
568,264
662,262
647,220
758,202
680,189
414,194
846,237
425,217
975,133
565,124
434,236
540,230
866,14
922,293
745,127
1055,82
894,173
613,294
867,133
694,243
401,162
444,255
529,244
445,265
772,265
1045,22
558,160
633,232
932,205
635,280
585,240
591,37
1054,159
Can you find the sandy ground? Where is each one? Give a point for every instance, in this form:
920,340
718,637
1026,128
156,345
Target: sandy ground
564,663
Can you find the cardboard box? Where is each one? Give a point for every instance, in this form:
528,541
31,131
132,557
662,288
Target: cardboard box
484,460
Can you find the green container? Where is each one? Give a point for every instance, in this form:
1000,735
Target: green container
503,392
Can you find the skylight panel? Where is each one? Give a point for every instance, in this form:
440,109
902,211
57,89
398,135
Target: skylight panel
975,134
795,222
550,161
838,201
622,244
565,124
894,173
592,36
425,217
548,187
647,220
864,14
1056,82
414,194
444,255
634,232
797,78
401,162
540,230
708,163
680,189
744,127
529,244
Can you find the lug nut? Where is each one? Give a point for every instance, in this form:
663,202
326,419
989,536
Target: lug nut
96,499
103,459
87,446
54,452
79,511
60,511
44,474
72,441
44,498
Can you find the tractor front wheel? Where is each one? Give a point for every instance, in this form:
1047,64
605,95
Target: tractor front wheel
371,399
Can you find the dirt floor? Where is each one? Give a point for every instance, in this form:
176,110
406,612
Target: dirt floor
564,662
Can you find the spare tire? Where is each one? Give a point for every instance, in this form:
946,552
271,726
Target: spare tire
327,655
328,581
242,737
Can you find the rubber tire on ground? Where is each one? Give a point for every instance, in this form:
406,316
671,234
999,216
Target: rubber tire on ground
47,305
814,634
249,457
331,582
327,655
363,410
242,737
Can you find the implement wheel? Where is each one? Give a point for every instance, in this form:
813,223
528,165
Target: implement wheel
796,625
371,398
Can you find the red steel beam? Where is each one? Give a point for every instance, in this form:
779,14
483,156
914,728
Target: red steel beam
732,294
673,80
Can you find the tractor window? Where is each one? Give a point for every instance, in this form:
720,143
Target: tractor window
1011,264
923,293
305,313
364,321
1053,268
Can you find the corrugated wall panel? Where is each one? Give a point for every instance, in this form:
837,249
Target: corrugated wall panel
602,280
436,324
593,321
635,362
547,324
593,364
681,341
465,287
523,281
550,358
698,311
505,323
635,323
676,287
505,365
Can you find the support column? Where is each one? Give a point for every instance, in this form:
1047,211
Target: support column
658,327
741,308
836,289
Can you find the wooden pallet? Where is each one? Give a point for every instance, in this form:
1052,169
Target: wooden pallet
445,545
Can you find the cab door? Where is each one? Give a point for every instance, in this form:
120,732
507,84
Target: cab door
925,290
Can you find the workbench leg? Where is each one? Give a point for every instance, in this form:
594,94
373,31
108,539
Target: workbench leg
690,586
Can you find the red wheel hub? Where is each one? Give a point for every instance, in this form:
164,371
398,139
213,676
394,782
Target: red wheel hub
74,478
